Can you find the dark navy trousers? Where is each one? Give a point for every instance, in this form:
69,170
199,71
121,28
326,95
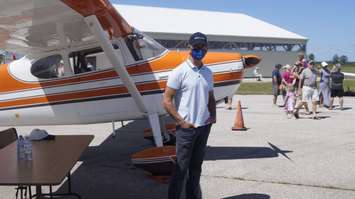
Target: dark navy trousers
190,151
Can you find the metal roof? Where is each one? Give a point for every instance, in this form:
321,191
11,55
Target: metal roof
219,26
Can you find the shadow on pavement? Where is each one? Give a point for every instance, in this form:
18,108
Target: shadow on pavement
250,196
106,170
310,117
230,153
345,108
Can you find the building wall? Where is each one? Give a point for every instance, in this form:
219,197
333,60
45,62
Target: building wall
270,53
270,59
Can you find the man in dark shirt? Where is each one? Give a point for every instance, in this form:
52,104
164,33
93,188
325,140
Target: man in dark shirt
336,86
276,82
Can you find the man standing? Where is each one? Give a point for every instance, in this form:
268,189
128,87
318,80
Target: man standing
337,89
190,85
257,74
297,71
276,82
309,90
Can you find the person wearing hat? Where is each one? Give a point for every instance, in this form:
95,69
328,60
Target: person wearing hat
336,86
309,90
324,85
276,82
287,76
297,71
190,86
286,80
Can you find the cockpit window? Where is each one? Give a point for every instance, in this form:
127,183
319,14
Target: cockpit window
133,45
85,60
48,67
142,47
92,59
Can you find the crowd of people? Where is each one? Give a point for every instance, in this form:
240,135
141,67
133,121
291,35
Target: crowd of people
298,86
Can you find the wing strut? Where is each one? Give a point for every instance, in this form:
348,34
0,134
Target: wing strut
119,67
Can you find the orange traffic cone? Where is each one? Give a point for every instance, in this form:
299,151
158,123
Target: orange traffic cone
239,122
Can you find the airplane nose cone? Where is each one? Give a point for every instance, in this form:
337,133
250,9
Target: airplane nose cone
251,60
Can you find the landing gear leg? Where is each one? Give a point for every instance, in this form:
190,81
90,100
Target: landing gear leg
163,128
167,138
155,125
113,129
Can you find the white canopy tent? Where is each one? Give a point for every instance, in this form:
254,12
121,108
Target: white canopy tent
175,23
225,31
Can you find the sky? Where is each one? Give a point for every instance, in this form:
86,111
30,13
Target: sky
329,25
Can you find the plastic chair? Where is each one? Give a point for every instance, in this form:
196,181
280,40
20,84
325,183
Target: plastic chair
7,137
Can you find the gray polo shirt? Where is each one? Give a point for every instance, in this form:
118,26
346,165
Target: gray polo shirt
192,87
309,77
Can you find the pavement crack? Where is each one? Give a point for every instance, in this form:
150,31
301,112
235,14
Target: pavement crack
283,183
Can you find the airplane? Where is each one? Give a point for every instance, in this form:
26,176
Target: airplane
349,75
85,64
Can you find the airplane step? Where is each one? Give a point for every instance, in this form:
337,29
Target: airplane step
158,162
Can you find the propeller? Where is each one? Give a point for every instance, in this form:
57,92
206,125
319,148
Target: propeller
251,60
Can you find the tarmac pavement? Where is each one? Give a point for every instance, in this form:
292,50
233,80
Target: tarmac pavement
276,158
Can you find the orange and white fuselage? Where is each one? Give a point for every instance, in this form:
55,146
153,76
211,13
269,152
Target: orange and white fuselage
100,96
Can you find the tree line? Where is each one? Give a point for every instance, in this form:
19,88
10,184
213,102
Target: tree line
343,59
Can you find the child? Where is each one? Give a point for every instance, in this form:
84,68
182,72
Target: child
290,101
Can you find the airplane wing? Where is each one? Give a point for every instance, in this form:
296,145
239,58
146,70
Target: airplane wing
40,26
349,75
36,26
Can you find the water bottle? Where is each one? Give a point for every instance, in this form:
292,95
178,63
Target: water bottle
28,149
21,148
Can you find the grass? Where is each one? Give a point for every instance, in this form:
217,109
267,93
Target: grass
350,68
264,88
255,88
349,85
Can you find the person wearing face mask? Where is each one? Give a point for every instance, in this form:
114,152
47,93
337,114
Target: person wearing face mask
190,86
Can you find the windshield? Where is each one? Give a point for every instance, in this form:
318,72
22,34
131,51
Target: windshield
142,47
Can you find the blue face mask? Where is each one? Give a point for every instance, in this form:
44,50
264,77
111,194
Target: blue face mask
198,54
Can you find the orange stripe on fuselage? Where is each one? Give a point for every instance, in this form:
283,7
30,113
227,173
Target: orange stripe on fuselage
119,90
165,63
215,57
11,84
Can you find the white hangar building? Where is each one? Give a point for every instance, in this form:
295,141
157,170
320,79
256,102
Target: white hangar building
225,32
